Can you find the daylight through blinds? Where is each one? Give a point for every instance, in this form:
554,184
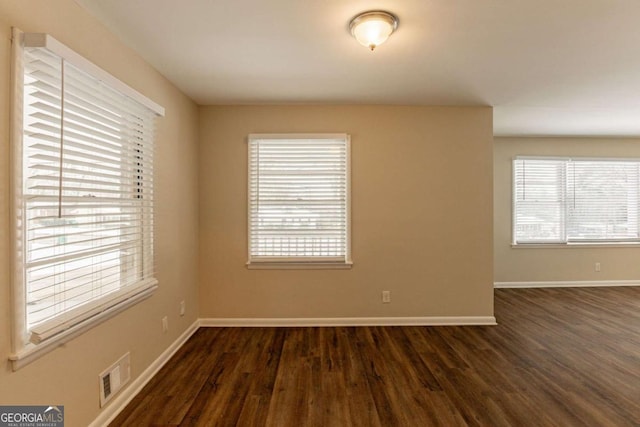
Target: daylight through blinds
87,189
298,198
576,200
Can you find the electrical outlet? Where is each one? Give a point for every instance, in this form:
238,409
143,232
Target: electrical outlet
386,297
597,266
165,324
182,308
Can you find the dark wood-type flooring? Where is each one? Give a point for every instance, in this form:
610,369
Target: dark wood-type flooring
559,357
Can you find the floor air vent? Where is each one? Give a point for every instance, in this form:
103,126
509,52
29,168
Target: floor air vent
113,378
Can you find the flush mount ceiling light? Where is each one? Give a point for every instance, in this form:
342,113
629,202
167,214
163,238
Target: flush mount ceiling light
373,28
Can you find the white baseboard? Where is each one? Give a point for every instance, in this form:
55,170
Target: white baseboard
111,411
567,284
349,321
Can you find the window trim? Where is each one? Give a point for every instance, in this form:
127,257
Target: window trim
580,244
23,351
299,265
304,264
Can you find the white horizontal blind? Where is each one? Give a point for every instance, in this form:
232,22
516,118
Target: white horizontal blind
539,200
298,198
87,192
603,200
576,200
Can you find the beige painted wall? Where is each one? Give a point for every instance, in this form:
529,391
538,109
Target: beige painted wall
421,210
555,264
69,375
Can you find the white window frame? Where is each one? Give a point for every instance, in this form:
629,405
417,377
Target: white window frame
566,241
305,263
28,345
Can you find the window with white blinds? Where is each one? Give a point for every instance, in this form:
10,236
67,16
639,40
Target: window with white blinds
85,196
564,200
539,195
299,199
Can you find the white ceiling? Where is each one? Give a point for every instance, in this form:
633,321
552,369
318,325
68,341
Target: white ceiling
548,67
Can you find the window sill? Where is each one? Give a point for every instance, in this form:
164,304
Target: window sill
575,245
299,265
31,352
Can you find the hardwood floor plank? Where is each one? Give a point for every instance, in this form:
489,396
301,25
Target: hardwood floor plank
362,406
222,397
289,401
256,408
559,357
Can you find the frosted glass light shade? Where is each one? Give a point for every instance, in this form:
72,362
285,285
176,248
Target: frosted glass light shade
371,29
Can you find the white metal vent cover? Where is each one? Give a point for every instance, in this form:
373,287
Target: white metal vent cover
113,378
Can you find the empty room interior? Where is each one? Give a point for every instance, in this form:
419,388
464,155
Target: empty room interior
323,213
